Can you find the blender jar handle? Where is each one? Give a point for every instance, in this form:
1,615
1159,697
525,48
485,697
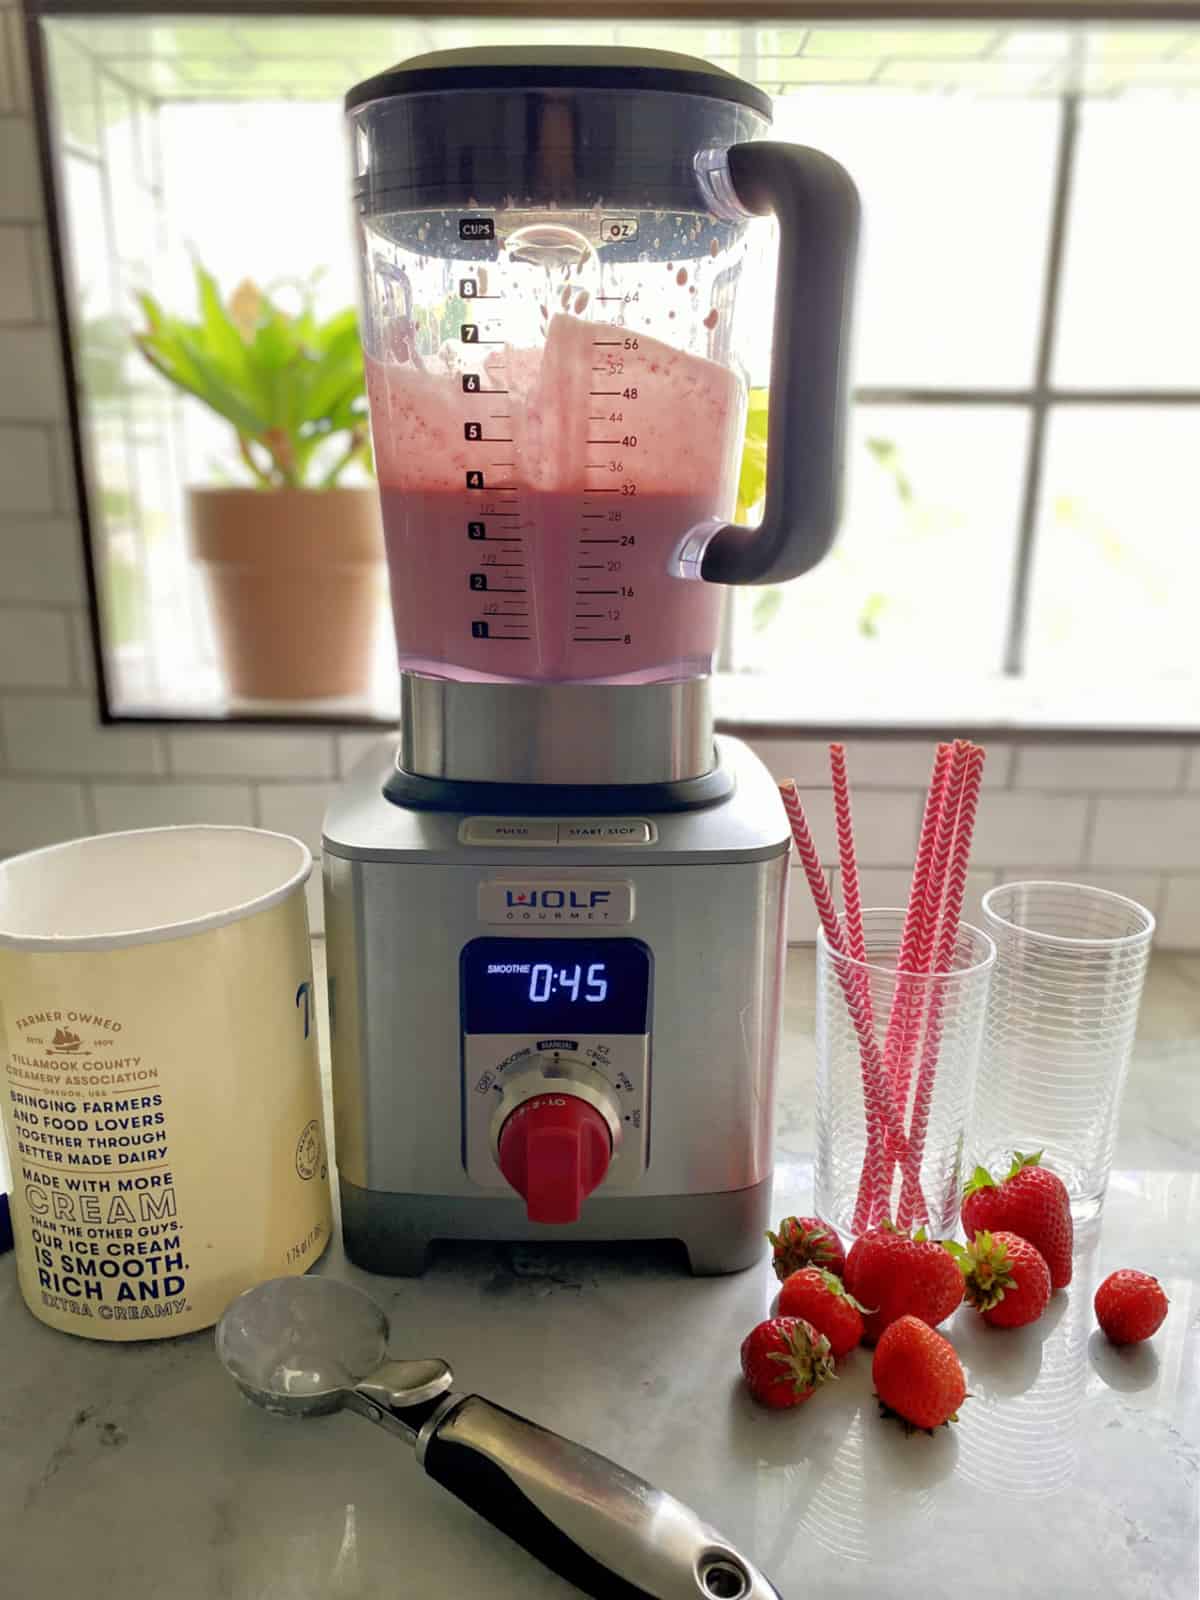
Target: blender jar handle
817,207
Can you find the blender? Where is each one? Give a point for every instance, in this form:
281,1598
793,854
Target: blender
555,912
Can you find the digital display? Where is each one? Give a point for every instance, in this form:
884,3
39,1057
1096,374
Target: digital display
556,986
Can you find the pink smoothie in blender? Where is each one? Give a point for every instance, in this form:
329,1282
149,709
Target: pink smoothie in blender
533,501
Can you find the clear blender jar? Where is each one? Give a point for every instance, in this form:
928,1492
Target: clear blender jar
551,249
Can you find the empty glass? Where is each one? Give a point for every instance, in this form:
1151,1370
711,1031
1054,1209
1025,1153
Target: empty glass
1070,970
929,1057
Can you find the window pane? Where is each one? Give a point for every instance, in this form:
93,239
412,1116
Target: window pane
956,195
918,582
1130,311
1118,555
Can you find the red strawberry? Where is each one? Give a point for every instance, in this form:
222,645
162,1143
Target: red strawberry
1032,1202
783,1361
1006,1278
1130,1306
901,1274
805,1242
918,1375
822,1299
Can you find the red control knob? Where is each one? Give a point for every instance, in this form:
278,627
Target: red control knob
554,1150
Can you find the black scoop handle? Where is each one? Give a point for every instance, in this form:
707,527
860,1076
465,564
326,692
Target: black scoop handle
611,1534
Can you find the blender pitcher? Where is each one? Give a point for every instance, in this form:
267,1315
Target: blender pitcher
551,247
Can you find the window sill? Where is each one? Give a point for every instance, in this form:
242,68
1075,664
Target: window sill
833,705
993,708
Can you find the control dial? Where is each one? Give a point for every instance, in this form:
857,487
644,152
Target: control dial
555,1132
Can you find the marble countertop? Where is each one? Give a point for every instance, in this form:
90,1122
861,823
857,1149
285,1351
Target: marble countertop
136,1471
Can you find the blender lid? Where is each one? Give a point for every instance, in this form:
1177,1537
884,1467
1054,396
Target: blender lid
552,67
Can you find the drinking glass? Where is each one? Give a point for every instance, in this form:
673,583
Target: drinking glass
1070,969
928,1056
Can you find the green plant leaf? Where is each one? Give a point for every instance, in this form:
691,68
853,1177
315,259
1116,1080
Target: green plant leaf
752,478
292,387
224,343
887,453
176,357
767,604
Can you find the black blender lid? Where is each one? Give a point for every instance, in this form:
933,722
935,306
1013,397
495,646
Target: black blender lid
552,67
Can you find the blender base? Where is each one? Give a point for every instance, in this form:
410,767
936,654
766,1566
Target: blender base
392,1233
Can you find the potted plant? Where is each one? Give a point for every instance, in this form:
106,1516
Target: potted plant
293,560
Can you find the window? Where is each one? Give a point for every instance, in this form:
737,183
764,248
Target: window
1022,535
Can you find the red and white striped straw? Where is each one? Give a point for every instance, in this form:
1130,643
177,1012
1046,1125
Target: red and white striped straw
847,858
910,936
856,946
880,1118
924,933
911,1200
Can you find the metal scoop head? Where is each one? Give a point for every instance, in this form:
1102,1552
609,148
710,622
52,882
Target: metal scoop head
308,1346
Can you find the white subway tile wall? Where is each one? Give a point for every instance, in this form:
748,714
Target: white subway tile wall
295,808
33,814
159,805
265,754
35,648
1100,766
1126,817
17,303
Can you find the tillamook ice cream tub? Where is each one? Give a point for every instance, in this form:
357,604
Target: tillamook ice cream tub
159,1085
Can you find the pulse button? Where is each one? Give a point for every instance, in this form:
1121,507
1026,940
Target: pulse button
508,830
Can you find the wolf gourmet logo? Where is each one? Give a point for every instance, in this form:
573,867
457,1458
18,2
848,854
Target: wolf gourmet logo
538,901
558,899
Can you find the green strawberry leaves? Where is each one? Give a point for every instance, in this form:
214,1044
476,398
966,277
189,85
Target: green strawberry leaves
987,1268
981,1178
835,1286
1020,1162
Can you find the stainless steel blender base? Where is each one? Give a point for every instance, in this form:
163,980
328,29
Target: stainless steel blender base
392,1233
555,733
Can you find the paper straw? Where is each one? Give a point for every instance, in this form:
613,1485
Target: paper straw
911,1019
920,954
847,859
880,1118
855,941
899,1019
810,860
911,1202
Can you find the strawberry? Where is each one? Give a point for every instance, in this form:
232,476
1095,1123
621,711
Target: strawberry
805,1242
1130,1306
901,1274
783,1361
823,1299
918,1375
1031,1202
1006,1278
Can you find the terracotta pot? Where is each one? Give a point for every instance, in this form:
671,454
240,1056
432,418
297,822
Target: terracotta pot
294,579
